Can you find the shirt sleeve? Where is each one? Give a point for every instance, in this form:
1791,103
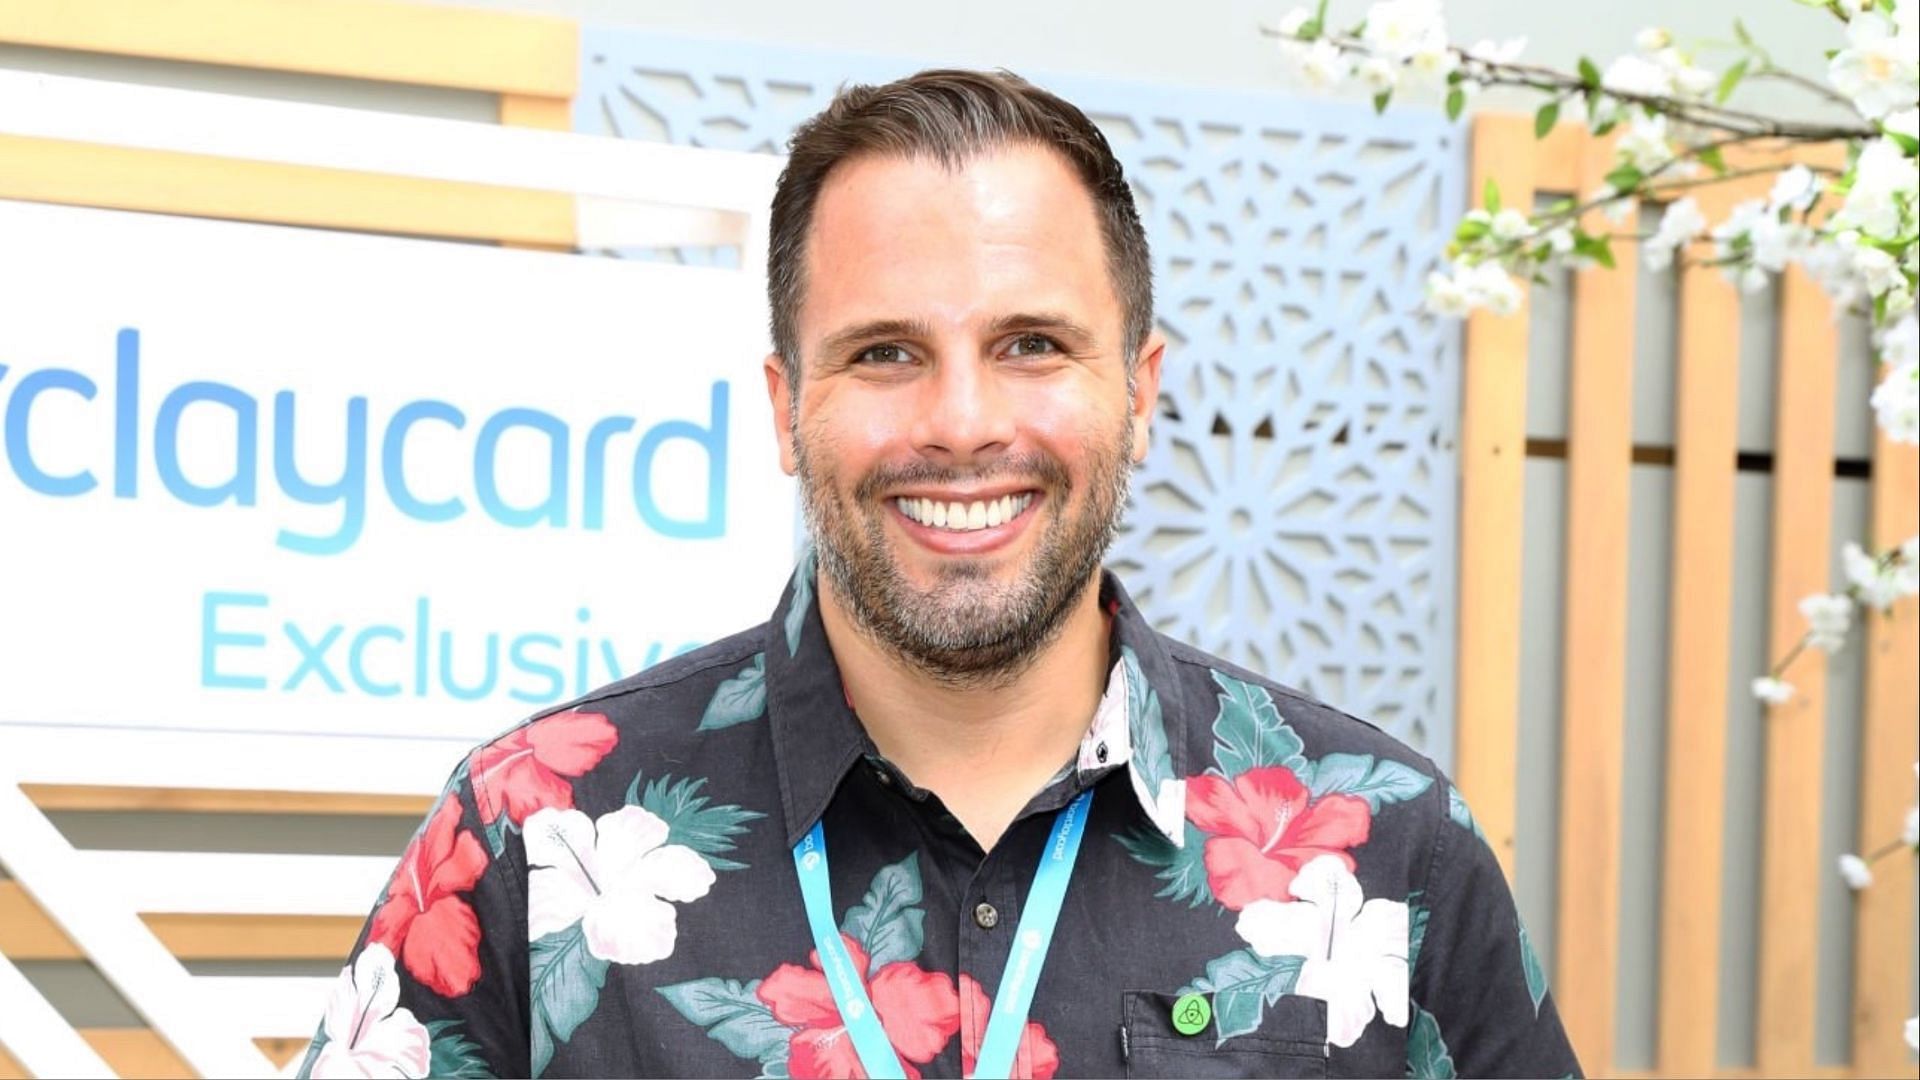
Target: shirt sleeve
437,983
1480,1000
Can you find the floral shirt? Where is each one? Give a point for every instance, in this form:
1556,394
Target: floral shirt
609,889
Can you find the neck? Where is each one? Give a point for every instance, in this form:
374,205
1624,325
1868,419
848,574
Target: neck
984,749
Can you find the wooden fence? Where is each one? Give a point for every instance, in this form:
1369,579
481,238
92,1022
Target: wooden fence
531,63
1600,454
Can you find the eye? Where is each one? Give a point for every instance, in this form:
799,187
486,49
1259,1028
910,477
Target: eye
882,354
1033,345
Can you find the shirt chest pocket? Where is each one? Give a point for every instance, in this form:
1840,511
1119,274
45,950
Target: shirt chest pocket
1290,1041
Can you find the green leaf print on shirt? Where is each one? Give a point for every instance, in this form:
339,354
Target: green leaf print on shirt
802,600
1417,915
1463,817
706,829
1379,781
1243,983
1145,727
1184,869
734,1017
1536,975
886,922
564,981
739,699
453,1054
1249,731
1427,1056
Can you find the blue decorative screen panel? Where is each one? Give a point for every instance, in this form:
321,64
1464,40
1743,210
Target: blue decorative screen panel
1296,513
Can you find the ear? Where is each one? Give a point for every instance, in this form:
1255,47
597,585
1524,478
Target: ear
1146,391
780,393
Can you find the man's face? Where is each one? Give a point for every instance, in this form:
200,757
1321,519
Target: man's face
964,429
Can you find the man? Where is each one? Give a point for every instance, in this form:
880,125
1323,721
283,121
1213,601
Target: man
956,809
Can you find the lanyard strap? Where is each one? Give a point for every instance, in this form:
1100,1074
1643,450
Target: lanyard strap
1015,997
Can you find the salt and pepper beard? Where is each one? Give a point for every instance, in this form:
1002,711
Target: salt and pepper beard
967,630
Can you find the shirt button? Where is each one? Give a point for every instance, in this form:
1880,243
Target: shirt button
882,775
1100,753
987,916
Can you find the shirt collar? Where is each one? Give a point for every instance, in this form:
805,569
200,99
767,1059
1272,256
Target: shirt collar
1140,721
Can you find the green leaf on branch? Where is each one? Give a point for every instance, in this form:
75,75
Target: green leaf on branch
1544,119
1589,74
1490,196
1729,80
1625,178
1471,229
1380,100
1456,101
1604,126
1710,157
1741,32
1595,248
1908,144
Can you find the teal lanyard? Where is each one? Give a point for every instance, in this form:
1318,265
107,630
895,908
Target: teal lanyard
1029,954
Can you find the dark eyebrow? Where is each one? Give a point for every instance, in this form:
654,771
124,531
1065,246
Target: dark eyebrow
1048,321
873,330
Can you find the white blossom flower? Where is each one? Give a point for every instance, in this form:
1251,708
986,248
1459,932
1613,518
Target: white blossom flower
1683,221
1652,39
1883,179
1877,584
1325,65
1559,240
1880,67
1856,872
1910,828
1905,122
1878,271
1899,342
1772,691
1829,617
1896,403
1638,75
1913,1032
1752,279
617,873
1379,74
1354,949
1688,81
1509,225
1447,296
1493,288
1646,145
1498,52
1405,29
1794,189
367,1032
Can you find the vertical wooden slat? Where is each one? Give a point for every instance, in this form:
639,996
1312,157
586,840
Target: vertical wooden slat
1791,869
1706,392
1493,440
1593,667
1884,941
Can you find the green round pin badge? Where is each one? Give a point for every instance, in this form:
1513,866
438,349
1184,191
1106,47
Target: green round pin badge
1192,1014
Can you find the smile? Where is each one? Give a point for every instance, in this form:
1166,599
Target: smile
964,516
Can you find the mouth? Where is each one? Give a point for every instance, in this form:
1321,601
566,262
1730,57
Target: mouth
964,516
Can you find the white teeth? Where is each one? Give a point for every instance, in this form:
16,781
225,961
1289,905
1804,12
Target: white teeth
964,517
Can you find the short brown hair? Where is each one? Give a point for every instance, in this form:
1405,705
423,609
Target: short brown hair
950,116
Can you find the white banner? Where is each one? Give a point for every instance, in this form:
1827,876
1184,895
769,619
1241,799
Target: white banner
275,479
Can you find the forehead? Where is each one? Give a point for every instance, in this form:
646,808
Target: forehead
909,238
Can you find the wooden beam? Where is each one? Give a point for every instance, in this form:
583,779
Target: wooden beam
1594,661
27,933
159,181
1699,619
1791,868
220,801
1493,439
422,44
142,1052
1883,915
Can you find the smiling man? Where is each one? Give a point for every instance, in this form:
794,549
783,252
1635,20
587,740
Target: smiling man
955,809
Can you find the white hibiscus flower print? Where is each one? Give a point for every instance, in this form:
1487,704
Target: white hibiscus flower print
617,873
367,1033
1355,949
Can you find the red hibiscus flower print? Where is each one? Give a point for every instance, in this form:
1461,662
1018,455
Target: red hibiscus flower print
918,1009
1037,1058
524,770
423,920
1262,828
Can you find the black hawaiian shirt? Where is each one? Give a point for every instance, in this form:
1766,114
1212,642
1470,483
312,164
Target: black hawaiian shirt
609,890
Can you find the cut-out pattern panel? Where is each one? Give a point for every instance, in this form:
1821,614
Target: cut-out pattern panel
1296,513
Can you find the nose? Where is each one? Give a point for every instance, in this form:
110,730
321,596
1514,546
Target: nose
963,415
